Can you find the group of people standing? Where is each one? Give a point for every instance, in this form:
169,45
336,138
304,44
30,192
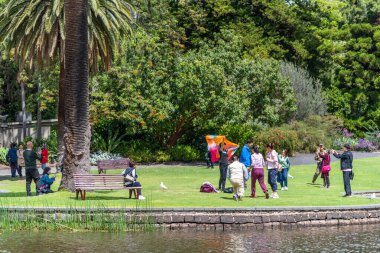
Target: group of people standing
323,159
251,165
19,158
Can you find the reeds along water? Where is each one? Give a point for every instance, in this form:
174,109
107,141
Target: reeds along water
86,216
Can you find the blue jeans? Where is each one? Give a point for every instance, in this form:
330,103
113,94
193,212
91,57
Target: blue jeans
43,166
272,174
283,177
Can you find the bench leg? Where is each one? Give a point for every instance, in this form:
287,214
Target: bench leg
130,193
82,194
137,195
77,192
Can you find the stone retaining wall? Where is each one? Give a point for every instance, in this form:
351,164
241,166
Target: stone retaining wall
226,218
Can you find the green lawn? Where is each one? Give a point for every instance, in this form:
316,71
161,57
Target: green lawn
184,183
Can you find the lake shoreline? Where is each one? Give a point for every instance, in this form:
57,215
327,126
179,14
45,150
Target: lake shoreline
197,218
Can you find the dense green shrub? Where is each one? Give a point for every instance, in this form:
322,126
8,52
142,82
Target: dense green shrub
185,153
3,155
301,136
279,137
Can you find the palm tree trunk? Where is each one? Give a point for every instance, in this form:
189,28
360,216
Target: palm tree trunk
23,108
39,116
77,126
61,112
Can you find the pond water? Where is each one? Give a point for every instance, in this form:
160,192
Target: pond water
326,239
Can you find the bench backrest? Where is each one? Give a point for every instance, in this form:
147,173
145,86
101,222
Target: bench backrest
113,164
90,181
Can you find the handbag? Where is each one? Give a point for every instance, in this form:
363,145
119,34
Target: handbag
279,167
129,178
326,169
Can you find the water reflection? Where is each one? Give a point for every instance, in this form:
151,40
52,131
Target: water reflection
326,239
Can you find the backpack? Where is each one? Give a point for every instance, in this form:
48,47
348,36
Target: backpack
207,187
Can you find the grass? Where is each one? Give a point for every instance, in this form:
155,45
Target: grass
184,183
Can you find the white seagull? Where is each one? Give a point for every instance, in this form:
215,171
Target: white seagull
372,196
162,186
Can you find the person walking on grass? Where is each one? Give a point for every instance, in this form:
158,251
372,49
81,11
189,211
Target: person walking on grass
325,155
257,167
20,159
237,174
272,164
283,160
12,159
319,163
346,159
31,172
44,156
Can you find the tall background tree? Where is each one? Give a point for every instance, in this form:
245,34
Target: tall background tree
33,33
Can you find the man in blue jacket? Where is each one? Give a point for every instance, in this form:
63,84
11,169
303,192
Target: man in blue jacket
245,156
12,159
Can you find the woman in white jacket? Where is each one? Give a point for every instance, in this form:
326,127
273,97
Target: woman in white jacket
272,163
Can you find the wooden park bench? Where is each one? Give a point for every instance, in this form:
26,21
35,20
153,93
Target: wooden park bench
105,165
90,182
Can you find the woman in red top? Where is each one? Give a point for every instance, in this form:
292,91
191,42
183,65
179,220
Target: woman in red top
325,167
44,156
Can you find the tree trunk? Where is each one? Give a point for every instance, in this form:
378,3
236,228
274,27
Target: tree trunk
61,112
39,117
77,135
23,108
176,134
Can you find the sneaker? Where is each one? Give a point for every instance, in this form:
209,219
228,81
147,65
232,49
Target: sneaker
141,197
275,196
236,198
347,196
253,196
286,188
282,189
266,195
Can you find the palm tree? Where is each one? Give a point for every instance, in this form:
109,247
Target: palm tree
77,124
33,31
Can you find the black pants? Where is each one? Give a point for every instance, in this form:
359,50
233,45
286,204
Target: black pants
346,181
32,174
13,166
19,170
326,180
223,176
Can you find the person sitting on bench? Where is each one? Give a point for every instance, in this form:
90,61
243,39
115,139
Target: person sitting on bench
130,178
46,181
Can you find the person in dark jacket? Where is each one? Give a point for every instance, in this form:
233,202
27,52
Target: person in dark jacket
31,172
131,179
46,181
223,165
346,159
12,159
